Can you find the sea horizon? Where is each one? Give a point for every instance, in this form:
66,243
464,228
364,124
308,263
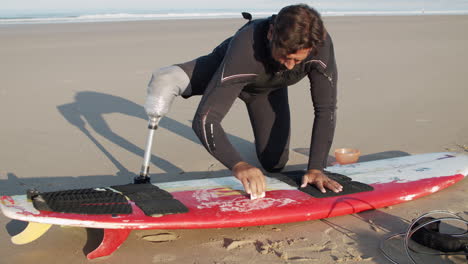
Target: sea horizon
81,16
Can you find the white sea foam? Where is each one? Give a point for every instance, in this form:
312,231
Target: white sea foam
112,17
126,17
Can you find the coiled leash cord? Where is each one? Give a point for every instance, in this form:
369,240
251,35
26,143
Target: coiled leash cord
425,231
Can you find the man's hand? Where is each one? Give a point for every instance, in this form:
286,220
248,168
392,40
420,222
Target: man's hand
251,177
319,179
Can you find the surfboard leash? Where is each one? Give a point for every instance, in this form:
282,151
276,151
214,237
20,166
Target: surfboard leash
424,230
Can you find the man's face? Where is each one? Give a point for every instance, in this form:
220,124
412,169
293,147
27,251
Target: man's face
290,60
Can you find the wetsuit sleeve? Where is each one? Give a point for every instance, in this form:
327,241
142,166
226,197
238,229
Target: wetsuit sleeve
323,79
235,71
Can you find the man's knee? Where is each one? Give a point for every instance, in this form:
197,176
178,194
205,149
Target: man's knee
274,162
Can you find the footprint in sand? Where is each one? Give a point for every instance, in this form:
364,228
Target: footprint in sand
230,244
350,258
348,241
160,237
163,258
302,260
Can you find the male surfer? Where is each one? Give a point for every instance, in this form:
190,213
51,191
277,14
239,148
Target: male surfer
257,65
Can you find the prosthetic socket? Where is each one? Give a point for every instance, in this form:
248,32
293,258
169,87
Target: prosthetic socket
166,83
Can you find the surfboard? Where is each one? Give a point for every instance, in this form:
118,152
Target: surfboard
221,202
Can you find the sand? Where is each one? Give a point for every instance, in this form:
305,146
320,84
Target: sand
71,117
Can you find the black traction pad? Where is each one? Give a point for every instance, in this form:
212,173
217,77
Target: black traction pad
81,201
294,178
151,199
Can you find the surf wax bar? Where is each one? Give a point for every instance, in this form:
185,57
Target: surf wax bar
253,196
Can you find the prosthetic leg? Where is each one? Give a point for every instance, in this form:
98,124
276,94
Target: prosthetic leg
144,173
166,84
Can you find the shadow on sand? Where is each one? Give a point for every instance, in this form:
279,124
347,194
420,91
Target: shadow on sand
89,108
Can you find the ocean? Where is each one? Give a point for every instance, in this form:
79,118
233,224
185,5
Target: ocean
31,17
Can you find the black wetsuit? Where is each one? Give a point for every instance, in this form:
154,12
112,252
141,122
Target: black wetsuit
242,66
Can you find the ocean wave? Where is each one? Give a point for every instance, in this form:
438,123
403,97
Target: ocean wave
125,17
108,17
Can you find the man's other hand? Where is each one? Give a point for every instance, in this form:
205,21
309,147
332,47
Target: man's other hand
319,179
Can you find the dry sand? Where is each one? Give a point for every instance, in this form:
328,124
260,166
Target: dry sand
71,116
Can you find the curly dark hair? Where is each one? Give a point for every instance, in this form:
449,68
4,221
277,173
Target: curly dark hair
297,27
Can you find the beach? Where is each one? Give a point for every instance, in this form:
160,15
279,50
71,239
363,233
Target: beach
71,116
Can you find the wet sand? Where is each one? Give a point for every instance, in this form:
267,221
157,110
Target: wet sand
71,116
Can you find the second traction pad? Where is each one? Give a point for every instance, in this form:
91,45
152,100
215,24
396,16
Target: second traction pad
152,200
294,178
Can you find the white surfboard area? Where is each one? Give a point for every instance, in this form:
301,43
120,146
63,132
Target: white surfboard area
405,169
223,182
401,169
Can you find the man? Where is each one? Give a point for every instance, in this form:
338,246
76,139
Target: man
257,65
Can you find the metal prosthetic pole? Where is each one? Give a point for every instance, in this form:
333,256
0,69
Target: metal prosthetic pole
144,173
